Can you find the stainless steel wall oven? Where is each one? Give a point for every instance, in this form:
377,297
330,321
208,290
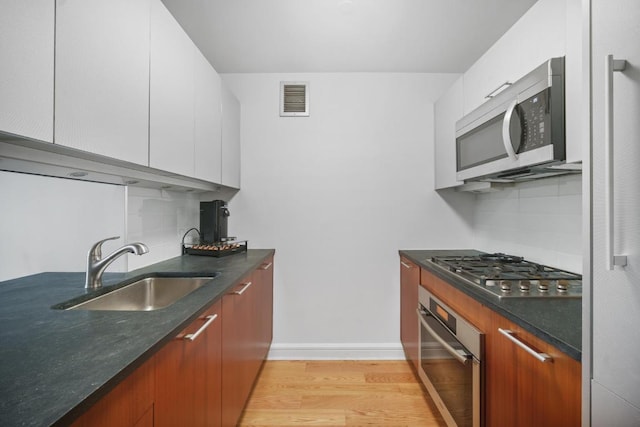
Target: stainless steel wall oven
450,354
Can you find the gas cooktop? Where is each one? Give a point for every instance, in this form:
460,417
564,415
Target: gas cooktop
509,276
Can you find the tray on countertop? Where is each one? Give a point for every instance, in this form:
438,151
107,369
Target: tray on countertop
217,250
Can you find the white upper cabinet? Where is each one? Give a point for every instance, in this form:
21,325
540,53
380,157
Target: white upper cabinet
230,138
447,110
208,126
536,37
172,106
102,77
575,92
26,70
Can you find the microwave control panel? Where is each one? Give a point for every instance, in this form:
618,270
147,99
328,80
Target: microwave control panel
535,121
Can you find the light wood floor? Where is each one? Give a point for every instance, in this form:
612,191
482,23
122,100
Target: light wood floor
339,393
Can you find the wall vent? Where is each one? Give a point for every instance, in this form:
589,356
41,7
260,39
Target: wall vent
294,99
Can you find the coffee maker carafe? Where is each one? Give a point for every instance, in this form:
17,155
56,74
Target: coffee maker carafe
213,221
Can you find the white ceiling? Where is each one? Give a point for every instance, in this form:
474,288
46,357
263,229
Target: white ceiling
263,36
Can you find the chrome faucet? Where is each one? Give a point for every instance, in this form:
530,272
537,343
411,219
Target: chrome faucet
96,264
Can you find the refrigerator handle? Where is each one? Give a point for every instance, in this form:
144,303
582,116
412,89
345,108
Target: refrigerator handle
611,65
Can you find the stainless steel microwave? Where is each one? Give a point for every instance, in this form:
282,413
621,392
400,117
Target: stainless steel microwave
519,134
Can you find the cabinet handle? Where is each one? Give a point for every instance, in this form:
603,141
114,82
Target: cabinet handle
266,267
543,357
497,90
210,319
405,265
611,65
244,288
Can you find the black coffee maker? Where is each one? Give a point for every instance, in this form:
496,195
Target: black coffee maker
213,221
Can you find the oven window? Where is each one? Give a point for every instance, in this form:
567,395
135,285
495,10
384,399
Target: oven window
452,380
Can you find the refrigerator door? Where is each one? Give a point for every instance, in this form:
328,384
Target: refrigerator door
615,220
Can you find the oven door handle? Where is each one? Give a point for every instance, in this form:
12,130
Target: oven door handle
463,358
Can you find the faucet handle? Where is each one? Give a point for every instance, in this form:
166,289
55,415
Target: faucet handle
95,253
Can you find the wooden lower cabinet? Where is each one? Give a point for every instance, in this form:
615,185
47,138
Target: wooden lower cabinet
247,332
409,282
519,390
263,277
205,380
130,403
236,306
524,391
188,374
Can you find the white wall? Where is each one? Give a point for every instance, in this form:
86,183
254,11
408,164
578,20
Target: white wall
540,220
49,224
337,194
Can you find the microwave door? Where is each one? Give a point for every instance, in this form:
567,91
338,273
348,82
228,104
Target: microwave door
492,147
479,149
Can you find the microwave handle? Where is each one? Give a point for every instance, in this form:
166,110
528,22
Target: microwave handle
506,135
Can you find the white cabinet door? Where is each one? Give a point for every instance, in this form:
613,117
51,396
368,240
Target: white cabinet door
536,37
230,138
615,298
208,126
171,109
576,98
26,70
447,110
102,77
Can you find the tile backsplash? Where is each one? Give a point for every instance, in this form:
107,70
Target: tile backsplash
540,220
159,219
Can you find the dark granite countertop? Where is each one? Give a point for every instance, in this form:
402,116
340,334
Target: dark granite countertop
556,321
54,364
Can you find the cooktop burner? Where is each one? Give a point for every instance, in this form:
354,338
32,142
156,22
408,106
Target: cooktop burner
512,276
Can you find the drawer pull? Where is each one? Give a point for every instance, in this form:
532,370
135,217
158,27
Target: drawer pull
405,265
244,288
210,319
266,267
543,357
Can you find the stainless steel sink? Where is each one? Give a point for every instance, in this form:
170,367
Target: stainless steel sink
146,294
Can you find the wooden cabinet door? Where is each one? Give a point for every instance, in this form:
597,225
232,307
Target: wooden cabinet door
188,375
524,391
130,403
238,349
264,278
409,282
26,75
213,369
102,77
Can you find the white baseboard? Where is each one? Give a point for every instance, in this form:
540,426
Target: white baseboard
326,351
346,351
